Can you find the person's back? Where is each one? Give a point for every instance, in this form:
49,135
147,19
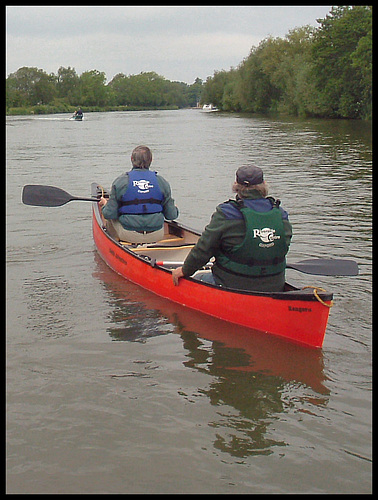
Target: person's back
254,244
140,201
249,238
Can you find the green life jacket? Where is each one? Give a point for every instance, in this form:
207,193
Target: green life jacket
263,250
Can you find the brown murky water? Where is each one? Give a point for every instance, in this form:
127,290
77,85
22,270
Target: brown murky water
113,390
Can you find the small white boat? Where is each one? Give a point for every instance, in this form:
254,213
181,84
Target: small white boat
209,108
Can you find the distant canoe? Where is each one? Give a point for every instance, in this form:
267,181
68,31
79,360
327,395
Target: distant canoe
76,117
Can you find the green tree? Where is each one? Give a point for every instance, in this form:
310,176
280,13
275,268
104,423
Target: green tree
93,91
44,89
292,74
231,92
342,59
148,89
175,94
14,96
214,88
68,85
119,89
362,62
31,86
275,76
193,92
258,94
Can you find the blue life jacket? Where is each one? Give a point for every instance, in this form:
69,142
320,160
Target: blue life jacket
143,194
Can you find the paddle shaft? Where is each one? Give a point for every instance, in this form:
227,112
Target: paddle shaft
76,198
322,267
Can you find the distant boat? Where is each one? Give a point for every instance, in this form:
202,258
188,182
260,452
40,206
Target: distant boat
78,115
209,108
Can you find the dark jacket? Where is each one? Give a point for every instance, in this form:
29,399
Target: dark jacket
222,234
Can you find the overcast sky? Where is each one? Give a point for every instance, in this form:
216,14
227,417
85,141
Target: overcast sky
180,43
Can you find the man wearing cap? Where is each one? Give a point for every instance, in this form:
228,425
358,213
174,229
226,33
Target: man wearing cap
139,202
249,238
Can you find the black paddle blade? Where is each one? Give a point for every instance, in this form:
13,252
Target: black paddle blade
44,196
326,267
48,196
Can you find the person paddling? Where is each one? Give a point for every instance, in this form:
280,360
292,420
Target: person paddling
139,202
248,237
78,113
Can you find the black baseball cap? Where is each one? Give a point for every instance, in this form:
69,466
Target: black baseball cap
249,175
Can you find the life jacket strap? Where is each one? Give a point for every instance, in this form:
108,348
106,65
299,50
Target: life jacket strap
138,201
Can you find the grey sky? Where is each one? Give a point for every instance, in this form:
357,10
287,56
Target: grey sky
180,43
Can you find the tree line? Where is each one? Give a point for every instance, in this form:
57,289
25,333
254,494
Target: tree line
317,72
33,87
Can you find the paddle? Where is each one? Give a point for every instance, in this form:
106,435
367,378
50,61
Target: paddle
323,267
48,196
326,267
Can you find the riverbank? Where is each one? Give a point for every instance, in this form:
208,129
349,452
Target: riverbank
47,109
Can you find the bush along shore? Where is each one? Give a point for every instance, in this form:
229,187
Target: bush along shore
47,109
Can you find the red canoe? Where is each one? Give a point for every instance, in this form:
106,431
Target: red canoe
295,314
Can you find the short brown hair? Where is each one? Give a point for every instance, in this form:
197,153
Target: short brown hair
141,157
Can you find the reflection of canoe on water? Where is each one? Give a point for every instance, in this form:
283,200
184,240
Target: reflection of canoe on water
136,309
295,314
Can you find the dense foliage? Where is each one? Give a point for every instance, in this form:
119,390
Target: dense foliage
32,87
324,72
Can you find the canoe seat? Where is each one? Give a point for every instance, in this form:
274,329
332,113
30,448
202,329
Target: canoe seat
164,253
170,239
167,241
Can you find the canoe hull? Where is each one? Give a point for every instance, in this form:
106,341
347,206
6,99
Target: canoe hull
299,317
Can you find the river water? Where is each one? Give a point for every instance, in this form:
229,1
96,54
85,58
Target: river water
111,389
